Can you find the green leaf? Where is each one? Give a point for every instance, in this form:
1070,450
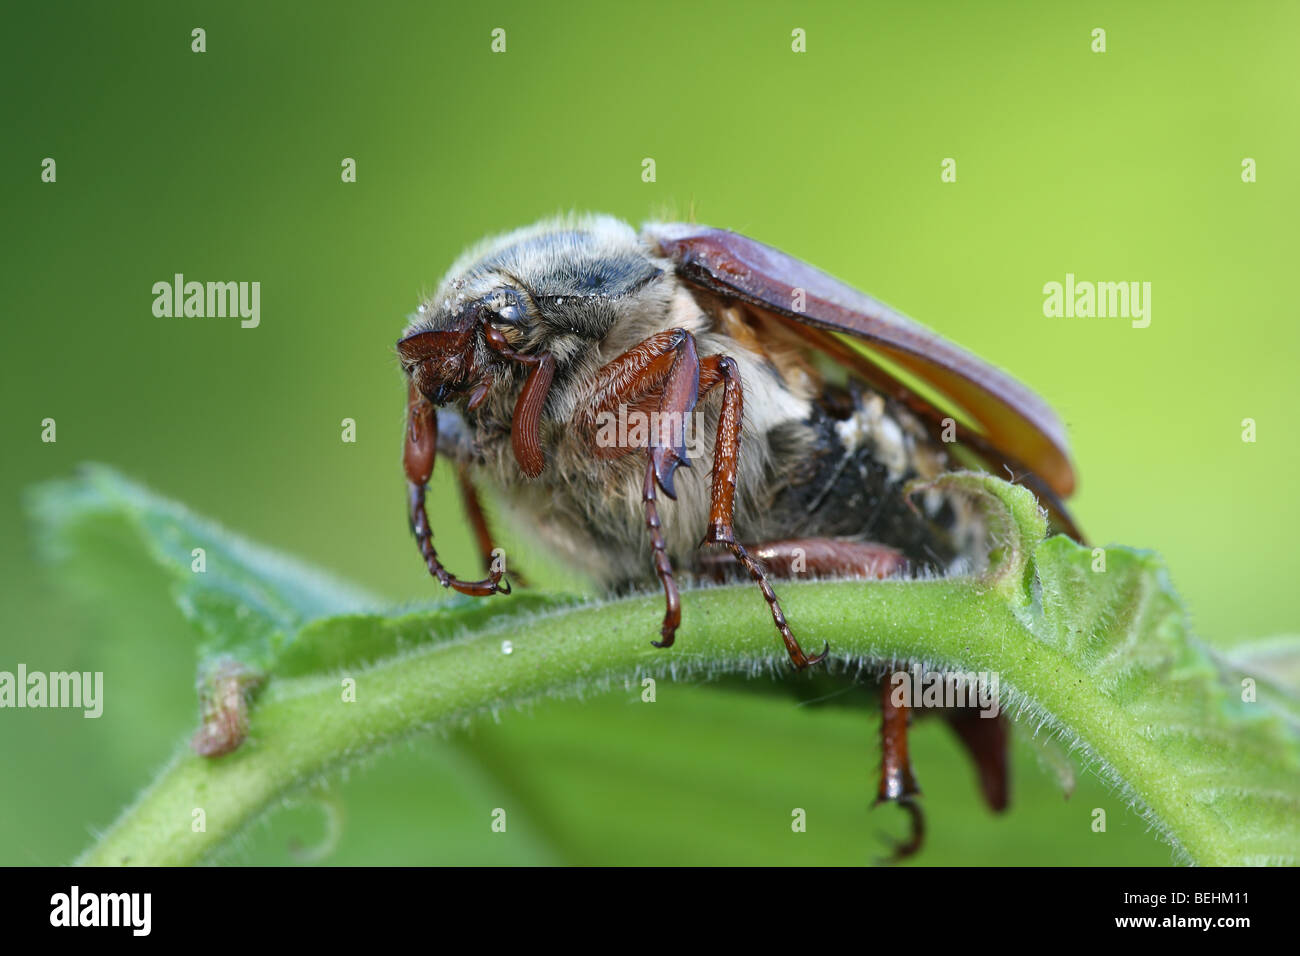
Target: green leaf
245,603
250,604
1104,659
1273,665
1168,725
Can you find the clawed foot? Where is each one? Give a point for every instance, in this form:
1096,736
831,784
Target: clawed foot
902,849
496,583
669,630
802,661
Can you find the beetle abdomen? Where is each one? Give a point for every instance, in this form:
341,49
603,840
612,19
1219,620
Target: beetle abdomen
850,484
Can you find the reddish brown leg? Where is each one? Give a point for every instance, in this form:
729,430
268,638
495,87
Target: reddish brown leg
663,567
418,458
633,374
667,451
814,557
897,784
726,457
986,740
668,357
479,523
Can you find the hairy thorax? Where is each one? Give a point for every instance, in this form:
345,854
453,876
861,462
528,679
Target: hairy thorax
816,460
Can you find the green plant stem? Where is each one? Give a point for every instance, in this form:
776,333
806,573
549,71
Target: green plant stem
301,728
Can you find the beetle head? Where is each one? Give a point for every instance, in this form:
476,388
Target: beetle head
447,356
558,286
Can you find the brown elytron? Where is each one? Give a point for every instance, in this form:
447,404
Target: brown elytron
793,388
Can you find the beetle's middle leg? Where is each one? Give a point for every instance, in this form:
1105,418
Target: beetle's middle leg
722,502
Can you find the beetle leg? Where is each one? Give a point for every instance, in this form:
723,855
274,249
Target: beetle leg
814,557
418,459
726,457
669,358
663,567
986,740
633,374
897,783
479,523
667,452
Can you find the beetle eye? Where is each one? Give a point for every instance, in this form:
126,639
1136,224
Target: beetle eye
505,307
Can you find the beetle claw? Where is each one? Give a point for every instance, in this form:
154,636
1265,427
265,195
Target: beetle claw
902,849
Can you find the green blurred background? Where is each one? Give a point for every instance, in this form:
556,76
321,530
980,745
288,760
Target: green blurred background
225,166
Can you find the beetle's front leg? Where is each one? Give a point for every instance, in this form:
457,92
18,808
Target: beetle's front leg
665,362
478,521
419,454
663,567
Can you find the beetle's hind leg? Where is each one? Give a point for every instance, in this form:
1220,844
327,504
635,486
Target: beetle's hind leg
811,557
987,740
897,782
